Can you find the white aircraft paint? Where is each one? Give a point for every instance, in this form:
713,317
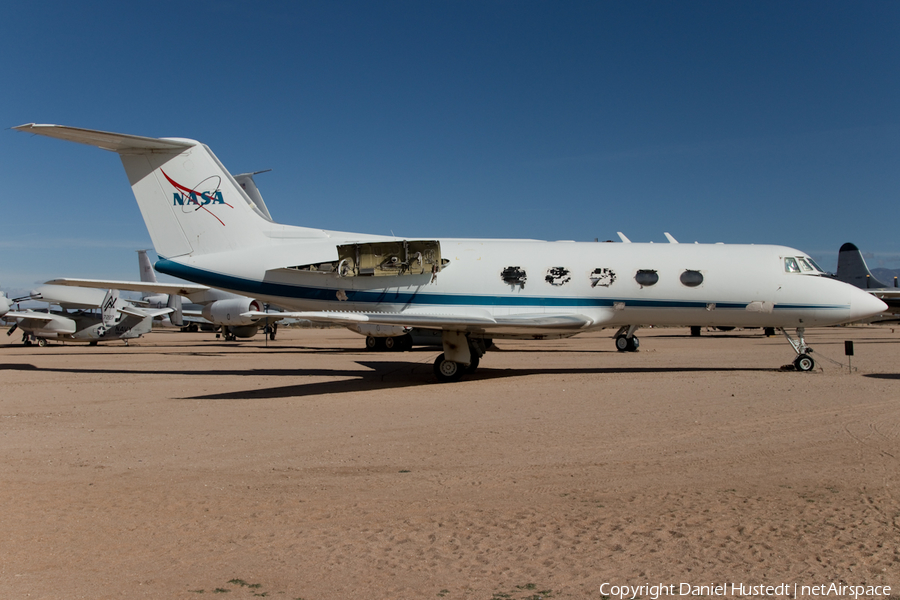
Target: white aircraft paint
206,229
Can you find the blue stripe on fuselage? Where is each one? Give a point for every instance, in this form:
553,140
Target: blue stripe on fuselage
254,288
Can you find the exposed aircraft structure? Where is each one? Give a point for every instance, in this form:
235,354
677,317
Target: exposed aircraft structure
852,269
206,229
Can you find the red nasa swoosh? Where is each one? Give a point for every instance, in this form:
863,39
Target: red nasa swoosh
190,191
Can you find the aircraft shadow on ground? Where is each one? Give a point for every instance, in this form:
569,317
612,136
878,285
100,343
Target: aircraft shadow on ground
381,375
883,375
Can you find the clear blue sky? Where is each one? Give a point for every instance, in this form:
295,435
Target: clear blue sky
756,122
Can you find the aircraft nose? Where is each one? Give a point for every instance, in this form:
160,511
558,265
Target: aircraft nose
863,304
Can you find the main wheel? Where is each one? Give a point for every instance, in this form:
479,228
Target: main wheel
42,342
376,344
635,344
804,362
392,343
447,370
622,343
474,364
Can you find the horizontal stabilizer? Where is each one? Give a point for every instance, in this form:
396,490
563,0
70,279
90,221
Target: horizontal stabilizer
114,142
143,313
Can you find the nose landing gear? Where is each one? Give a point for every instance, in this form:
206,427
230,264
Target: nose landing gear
803,362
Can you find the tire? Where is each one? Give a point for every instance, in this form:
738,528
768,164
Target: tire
804,363
473,365
634,345
447,371
391,344
42,342
622,344
374,344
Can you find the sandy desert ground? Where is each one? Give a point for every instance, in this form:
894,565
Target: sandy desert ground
185,467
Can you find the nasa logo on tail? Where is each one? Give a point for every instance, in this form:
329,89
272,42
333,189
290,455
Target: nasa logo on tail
193,200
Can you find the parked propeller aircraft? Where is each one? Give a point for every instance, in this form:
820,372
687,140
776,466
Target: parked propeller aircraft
77,322
209,306
206,229
852,269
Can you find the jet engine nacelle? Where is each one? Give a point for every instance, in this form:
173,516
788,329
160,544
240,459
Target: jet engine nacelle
369,329
228,312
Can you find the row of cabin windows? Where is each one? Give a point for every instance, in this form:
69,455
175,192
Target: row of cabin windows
602,277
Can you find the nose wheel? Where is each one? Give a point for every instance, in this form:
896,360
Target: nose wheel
804,362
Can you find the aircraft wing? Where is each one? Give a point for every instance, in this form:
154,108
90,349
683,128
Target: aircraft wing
43,317
179,289
525,323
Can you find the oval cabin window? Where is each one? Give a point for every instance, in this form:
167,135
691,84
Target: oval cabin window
646,277
691,278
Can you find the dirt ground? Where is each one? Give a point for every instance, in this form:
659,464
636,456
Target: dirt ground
185,467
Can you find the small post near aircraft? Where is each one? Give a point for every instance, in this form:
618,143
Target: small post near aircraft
77,321
205,228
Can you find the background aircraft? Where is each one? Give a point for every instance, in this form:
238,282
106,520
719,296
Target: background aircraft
78,321
852,269
206,229
206,306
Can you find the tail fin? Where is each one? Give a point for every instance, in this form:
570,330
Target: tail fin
147,273
189,201
177,315
108,308
248,184
852,268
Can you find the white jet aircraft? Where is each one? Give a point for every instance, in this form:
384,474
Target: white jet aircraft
206,229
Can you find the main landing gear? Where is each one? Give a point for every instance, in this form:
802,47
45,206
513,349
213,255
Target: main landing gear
399,343
447,370
626,340
803,362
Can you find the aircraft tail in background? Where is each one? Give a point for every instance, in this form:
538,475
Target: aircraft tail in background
852,269
147,273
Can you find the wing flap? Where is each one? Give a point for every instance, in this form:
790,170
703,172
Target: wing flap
524,322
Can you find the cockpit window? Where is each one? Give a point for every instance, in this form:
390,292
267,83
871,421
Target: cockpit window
803,264
790,265
815,266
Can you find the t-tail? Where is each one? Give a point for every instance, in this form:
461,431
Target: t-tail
190,203
852,269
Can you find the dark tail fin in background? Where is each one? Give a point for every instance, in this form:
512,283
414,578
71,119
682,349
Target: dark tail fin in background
852,269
